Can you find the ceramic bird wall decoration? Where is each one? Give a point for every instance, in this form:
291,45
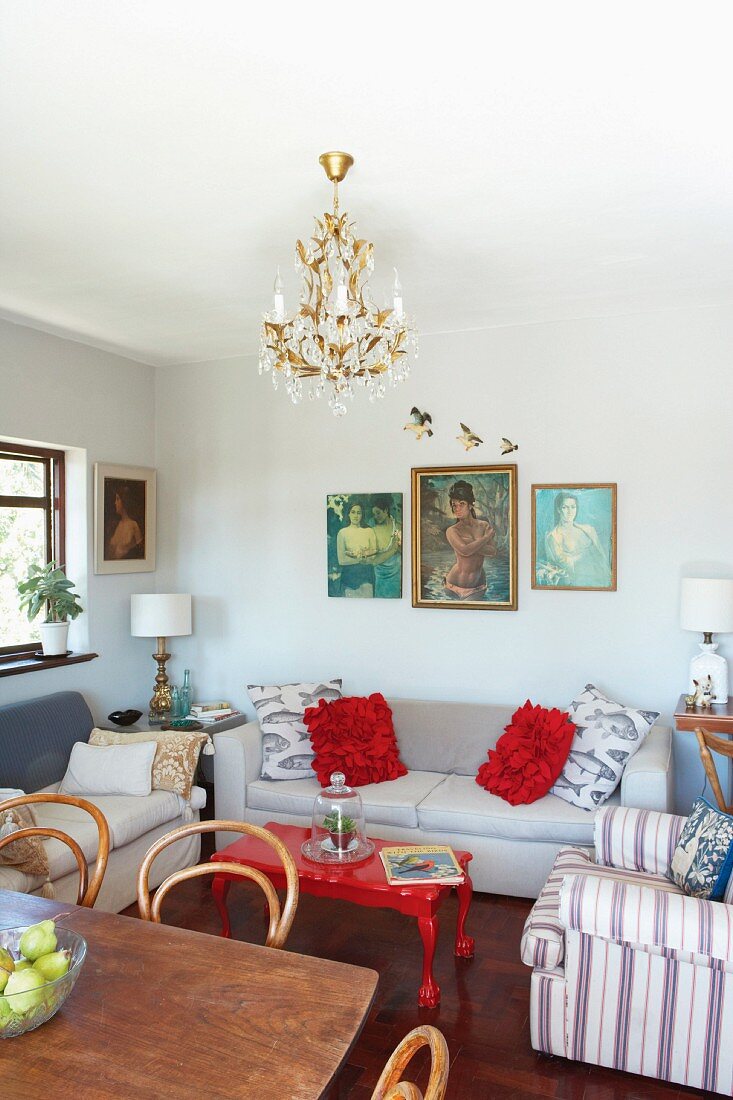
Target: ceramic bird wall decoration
469,439
419,423
507,446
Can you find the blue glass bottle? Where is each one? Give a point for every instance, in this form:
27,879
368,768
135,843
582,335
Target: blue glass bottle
185,694
176,711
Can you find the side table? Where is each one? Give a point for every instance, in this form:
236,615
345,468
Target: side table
717,719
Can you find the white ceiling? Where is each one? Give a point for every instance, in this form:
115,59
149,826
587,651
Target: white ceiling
519,161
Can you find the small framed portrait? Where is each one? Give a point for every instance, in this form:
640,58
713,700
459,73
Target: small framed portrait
464,537
364,545
574,537
124,519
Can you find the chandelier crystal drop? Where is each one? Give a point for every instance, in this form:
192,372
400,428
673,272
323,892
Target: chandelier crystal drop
339,340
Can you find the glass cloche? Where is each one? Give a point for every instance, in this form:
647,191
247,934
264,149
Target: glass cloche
338,835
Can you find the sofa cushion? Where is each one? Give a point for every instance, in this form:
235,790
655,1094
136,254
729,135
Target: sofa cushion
543,939
128,817
176,755
459,805
287,753
391,803
447,737
528,756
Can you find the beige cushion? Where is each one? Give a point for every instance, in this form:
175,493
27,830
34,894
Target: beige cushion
459,805
391,803
128,817
447,737
176,756
109,769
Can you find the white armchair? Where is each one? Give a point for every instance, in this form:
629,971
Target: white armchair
628,971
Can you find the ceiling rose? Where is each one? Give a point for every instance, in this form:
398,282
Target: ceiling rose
339,339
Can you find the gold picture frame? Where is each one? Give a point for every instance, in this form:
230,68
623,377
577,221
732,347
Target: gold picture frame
454,507
124,518
574,537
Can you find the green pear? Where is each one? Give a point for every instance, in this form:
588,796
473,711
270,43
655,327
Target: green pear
23,964
24,990
7,966
39,939
6,1013
54,966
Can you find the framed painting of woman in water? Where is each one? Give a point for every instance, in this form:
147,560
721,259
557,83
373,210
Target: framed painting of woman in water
574,537
464,537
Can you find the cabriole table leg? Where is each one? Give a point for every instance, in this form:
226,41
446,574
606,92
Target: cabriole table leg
220,888
429,995
464,943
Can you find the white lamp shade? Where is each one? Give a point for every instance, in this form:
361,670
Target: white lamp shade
160,615
706,605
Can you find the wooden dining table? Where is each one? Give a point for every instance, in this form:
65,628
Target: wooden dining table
159,1012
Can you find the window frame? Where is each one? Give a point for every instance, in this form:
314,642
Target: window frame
53,503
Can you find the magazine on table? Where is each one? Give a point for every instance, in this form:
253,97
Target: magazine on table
421,863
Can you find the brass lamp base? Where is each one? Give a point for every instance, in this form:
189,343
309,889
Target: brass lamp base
160,704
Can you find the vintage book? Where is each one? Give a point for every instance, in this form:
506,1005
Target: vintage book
418,863
204,708
211,719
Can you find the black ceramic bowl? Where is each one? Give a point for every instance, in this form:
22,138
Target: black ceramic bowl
124,717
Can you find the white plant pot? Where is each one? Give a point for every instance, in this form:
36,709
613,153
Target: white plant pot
53,638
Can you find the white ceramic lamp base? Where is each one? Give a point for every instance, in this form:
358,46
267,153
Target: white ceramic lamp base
709,663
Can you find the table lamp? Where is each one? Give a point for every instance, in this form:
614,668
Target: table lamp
160,615
706,605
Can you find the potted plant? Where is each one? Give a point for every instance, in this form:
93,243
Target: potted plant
341,829
48,588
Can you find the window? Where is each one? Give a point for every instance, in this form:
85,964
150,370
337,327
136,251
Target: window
31,530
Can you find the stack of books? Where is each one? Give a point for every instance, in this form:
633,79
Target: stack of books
208,713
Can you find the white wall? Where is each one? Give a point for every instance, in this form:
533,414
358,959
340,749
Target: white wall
101,408
644,401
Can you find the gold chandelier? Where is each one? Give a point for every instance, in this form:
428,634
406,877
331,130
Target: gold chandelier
339,339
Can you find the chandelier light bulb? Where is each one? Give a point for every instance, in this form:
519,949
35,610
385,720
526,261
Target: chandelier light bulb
279,297
397,295
339,338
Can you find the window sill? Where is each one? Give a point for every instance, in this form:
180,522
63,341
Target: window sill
14,666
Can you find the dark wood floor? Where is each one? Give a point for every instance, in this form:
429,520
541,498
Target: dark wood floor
485,1000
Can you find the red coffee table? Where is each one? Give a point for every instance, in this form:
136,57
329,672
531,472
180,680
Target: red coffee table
363,883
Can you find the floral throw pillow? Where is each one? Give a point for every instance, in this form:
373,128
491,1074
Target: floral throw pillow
28,854
528,756
607,734
176,755
703,859
286,749
354,736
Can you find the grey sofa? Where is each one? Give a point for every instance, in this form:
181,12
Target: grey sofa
36,737
438,801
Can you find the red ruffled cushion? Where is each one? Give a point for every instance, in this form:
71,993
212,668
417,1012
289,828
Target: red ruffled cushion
355,736
529,755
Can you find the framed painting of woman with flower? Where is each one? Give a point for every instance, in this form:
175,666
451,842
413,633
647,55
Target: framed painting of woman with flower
574,537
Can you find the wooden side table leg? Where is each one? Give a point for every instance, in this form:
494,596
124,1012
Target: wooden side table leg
429,995
464,943
220,888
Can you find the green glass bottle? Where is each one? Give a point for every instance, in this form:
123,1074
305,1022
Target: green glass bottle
185,694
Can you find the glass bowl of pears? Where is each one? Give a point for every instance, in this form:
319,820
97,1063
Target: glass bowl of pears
39,965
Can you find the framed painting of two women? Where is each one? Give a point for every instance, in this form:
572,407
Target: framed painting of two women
574,537
464,537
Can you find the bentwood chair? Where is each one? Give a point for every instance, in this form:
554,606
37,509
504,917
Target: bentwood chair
88,891
724,746
279,923
390,1085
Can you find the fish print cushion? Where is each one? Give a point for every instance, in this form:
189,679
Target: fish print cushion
607,734
703,859
286,749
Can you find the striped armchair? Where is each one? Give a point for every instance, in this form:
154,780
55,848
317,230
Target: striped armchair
628,971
